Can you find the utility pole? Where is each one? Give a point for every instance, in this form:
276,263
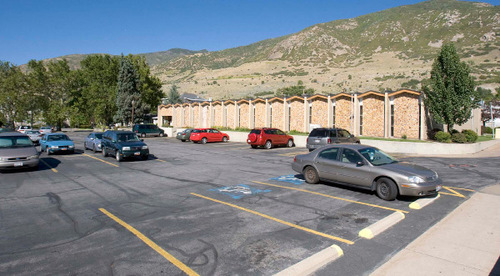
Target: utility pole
133,102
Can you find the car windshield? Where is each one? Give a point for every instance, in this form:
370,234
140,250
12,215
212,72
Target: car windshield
127,137
98,135
377,157
33,132
59,137
15,142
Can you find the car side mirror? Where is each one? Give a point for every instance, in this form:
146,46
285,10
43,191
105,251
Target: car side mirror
360,163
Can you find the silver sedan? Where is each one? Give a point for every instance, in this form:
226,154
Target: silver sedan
93,141
368,168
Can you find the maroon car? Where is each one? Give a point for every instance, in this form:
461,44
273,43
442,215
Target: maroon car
269,137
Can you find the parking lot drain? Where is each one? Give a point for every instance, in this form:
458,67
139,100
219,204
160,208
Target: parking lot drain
290,179
278,220
422,202
239,191
311,264
381,225
151,244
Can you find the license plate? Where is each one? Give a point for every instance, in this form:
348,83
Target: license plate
64,149
317,141
137,153
18,164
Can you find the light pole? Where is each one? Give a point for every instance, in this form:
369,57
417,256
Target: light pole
133,102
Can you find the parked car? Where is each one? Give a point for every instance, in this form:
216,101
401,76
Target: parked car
123,144
268,138
148,130
17,151
45,129
23,129
368,168
6,129
324,136
93,141
204,135
34,136
56,142
184,135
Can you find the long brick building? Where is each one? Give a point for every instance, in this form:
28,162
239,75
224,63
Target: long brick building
375,114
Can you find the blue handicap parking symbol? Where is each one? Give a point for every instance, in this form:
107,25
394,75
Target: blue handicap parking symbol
239,191
289,178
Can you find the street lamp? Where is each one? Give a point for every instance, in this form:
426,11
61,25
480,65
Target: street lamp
133,102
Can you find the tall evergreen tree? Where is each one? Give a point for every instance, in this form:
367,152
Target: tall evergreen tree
128,97
173,95
450,95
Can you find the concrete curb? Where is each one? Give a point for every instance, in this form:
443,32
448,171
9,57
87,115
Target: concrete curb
422,202
314,262
381,225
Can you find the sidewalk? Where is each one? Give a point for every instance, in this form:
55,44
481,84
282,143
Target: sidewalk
466,242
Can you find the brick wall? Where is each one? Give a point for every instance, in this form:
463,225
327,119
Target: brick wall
196,116
230,115
343,112
260,114
217,115
277,115
406,120
244,108
297,114
187,123
319,114
373,115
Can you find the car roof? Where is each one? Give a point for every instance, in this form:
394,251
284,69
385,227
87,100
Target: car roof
12,133
120,131
348,146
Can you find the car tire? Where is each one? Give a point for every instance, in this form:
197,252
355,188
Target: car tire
84,147
93,149
183,140
290,143
143,135
386,189
144,157
104,154
268,144
118,156
224,139
161,134
253,146
311,175
204,140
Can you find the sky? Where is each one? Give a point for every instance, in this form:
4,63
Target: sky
40,29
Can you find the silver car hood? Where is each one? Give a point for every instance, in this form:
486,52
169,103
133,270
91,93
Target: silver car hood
409,169
18,152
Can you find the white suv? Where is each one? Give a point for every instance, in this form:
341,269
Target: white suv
23,129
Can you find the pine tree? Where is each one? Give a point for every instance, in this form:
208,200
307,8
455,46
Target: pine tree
451,95
128,96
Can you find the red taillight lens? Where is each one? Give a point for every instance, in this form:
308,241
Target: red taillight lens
329,141
295,159
307,140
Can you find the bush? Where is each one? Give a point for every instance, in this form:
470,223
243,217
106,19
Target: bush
443,137
432,133
486,130
458,138
470,135
453,131
404,137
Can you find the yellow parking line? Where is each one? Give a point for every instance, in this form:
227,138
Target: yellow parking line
151,244
463,189
278,220
159,160
109,163
334,197
46,164
454,193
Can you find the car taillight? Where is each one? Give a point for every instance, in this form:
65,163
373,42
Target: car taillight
329,141
295,159
307,140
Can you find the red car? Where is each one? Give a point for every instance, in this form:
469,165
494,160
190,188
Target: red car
205,135
269,137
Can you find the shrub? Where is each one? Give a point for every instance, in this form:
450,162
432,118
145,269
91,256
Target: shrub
443,137
404,137
470,135
458,138
432,133
486,130
453,131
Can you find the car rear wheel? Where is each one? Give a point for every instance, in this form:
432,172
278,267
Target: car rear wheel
311,175
203,140
290,143
84,146
268,145
161,134
104,154
224,139
118,156
253,146
94,149
387,189
183,140
143,135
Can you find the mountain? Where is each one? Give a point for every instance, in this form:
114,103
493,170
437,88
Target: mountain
383,50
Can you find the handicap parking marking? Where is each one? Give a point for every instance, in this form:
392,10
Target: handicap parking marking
453,191
239,191
290,178
277,220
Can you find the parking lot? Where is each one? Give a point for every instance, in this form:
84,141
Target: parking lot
213,209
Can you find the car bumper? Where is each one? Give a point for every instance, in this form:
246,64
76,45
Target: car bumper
135,153
19,164
422,189
54,150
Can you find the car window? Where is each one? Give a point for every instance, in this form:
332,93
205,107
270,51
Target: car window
15,142
333,133
127,137
256,131
377,157
279,132
330,154
215,131
60,137
98,135
350,156
344,133
318,132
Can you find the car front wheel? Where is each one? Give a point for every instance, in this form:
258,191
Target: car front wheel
104,154
118,156
268,145
311,175
143,135
224,139
387,189
290,143
204,140
161,134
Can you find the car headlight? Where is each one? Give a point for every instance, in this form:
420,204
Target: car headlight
415,179
33,157
144,147
71,147
54,147
126,148
3,159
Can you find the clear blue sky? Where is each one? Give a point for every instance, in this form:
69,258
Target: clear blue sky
40,29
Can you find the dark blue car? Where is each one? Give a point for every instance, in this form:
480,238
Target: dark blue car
123,144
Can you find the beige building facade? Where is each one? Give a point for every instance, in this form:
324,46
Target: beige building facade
373,114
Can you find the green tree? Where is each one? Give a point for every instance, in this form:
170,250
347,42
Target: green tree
173,95
35,98
128,97
450,95
150,86
296,90
12,87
